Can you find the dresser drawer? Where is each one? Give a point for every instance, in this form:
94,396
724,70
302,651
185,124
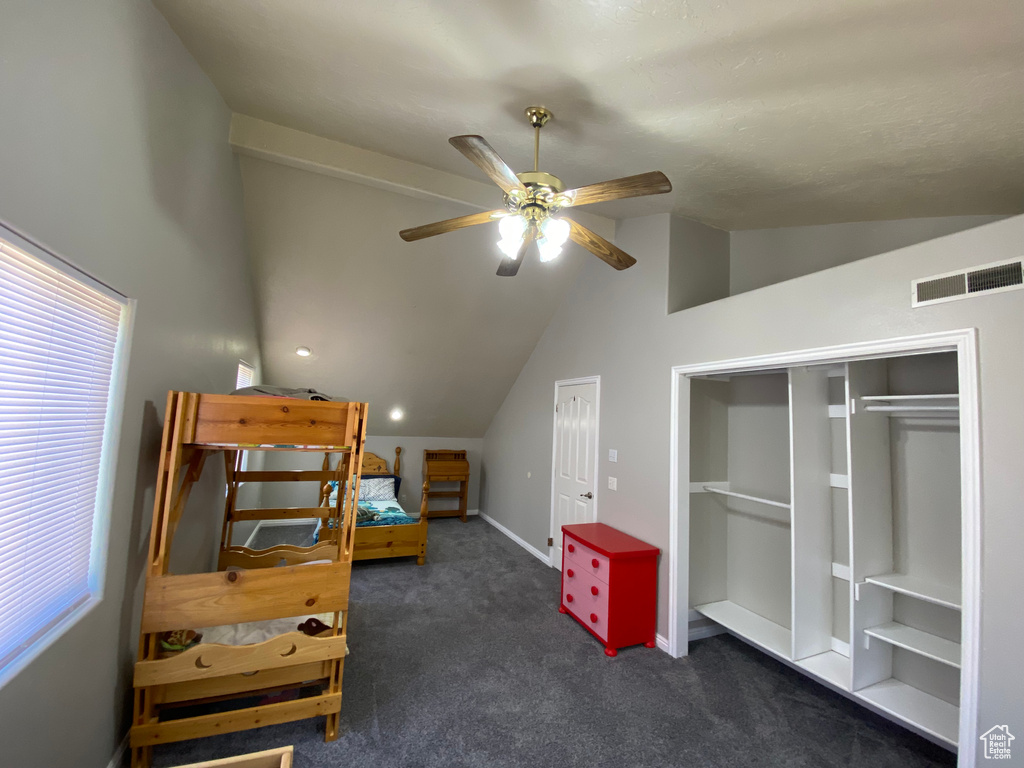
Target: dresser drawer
587,599
585,559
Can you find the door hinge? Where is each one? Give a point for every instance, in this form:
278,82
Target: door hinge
551,542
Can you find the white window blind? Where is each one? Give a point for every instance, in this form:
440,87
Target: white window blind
246,375
58,338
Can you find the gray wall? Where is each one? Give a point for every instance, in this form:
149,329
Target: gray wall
760,257
615,325
390,322
113,152
304,494
698,265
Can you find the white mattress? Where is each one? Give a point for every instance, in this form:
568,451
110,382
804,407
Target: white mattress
251,632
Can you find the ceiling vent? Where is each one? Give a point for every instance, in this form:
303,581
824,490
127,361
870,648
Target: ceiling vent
989,278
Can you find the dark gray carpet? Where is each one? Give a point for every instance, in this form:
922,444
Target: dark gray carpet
467,662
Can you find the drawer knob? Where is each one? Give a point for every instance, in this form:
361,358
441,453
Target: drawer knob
571,548
568,598
569,573
595,562
593,591
593,618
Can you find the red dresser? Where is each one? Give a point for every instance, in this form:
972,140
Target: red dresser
610,584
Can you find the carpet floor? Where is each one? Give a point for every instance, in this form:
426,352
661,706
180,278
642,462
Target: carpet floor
467,662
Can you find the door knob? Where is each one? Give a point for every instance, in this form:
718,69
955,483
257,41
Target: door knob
587,495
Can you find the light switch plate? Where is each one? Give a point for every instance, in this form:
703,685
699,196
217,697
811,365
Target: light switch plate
613,484
613,455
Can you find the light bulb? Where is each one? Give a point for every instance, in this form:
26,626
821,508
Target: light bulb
303,351
511,229
554,233
396,414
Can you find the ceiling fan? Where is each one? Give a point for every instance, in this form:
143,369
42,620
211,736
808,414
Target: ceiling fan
532,201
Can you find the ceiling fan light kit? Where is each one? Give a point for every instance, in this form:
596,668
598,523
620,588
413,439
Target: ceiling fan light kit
532,200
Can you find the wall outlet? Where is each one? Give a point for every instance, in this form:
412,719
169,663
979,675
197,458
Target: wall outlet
613,484
404,497
613,455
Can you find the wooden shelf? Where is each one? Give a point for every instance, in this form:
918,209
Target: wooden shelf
928,645
830,667
924,711
929,591
759,630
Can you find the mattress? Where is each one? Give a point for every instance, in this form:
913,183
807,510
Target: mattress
250,632
390,511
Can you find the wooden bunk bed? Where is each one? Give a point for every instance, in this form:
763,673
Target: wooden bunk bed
282,583
373,542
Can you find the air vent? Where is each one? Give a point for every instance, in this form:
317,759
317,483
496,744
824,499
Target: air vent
988,278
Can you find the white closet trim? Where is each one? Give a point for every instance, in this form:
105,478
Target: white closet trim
964,343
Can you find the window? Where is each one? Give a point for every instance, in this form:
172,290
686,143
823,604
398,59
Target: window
246,375
62,338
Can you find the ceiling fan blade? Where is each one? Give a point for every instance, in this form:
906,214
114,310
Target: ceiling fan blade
597,245
450,225
509,267
483,156
653,183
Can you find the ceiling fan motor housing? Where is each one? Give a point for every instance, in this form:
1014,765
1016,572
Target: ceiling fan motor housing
541,199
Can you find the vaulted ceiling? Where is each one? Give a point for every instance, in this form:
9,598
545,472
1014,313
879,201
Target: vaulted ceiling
763,114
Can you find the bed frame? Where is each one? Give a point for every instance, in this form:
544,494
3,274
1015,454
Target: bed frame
196,428
380,541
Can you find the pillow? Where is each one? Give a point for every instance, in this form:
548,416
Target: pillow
377,488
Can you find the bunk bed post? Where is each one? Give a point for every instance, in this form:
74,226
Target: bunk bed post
346,541
398,461
232,461
143,706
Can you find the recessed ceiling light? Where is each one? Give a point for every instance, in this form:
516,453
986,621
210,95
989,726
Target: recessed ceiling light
303,351
397,414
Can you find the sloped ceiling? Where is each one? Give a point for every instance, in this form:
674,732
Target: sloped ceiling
763,114
420,326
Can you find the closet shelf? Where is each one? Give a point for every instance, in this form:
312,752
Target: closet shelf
940,594
924,643
929,713
757,629
769,502
829,666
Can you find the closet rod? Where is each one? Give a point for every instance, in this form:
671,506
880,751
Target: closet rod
897,408
769,502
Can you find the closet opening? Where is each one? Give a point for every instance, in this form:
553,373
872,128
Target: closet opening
825,509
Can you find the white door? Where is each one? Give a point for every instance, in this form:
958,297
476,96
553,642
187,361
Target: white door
574,476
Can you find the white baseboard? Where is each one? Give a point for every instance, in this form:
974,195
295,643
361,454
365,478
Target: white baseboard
518,540
472,511
699,633
118,759
843,649
662,642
